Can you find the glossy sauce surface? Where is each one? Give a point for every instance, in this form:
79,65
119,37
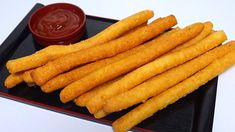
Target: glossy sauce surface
57,23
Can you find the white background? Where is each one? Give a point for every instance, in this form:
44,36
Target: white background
18,117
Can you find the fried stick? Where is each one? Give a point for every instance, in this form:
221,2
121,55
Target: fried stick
65,79
165,80
129,63
84,98
173,94
109,49
155,67
17,78
27,77
205,32
132,30
13,79
50,53
100,114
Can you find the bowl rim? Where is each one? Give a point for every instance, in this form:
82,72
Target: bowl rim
58,38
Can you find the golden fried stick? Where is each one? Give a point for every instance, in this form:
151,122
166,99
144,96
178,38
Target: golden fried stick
205,32
65,79
165,80
13,79
173,94
132,30
47,54
84,98
100,114
155,67
109,49
27,77
129,63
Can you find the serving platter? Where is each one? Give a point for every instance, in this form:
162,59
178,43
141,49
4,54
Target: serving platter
193,113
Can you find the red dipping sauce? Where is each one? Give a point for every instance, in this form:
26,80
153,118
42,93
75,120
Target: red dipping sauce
59,23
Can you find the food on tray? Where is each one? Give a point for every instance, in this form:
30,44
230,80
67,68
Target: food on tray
136,28
111,48
153,68
13,79
205,32
132,62
100,114
82,100
173,94
163,81
65,79
27,77
50,53
159,47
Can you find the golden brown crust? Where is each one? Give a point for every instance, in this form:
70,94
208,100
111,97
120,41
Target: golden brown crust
13,79
159,47
205,32
165,80
100,114
52,52
65,79
173,94
109,49
27,77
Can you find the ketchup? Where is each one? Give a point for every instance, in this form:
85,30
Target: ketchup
57,23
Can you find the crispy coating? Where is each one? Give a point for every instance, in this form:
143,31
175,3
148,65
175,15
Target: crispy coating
165,43
173,94
65,79
13,79
50,53
132,30
159,47
109,49
100,114
27,77
84,98
165,80
205,32
157,66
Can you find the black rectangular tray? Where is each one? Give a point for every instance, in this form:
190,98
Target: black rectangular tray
193,113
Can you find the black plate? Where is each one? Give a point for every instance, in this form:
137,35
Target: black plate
193,113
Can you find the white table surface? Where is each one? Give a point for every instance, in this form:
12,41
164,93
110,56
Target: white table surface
19,117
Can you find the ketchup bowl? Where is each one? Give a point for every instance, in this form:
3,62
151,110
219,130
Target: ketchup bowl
57,24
